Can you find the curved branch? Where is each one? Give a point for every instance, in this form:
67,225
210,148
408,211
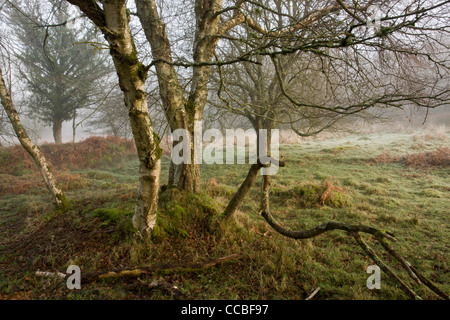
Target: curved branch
324,227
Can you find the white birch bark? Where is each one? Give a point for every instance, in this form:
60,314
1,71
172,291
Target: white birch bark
113,20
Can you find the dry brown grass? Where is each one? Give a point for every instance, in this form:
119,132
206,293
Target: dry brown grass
33,183
385,157
437,158
329,190
88,153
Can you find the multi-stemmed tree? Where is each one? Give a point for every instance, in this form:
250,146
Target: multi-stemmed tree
312,83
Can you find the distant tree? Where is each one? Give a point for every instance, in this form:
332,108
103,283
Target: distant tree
110,114
59,67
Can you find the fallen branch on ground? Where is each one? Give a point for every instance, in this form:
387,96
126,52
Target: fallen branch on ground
164,270
165,286
51,274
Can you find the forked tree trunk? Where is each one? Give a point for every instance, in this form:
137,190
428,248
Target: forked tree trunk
181,113
57,130
59,198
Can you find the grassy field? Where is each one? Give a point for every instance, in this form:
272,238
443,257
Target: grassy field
375,179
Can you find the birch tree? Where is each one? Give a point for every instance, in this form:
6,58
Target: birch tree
59,199
112,19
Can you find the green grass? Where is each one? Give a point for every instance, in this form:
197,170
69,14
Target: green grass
412,203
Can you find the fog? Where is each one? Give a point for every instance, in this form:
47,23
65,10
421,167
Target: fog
394,121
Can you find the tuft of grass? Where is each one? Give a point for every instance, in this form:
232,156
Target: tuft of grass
312,194
110,215
338,149
432,193
372,190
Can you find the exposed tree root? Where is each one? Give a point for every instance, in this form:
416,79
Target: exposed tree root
327,226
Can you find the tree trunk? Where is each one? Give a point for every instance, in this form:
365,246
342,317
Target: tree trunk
190,178
113,20
144,218
186,176
181,113
253,171
175,172
74,125
170,89
242,192
57,130
59,198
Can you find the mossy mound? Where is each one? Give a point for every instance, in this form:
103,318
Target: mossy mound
120,218
313,194
182,214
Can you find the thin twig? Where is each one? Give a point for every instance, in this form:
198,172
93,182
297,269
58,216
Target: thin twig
313,294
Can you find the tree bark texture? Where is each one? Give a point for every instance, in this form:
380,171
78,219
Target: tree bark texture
181,113
113,21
